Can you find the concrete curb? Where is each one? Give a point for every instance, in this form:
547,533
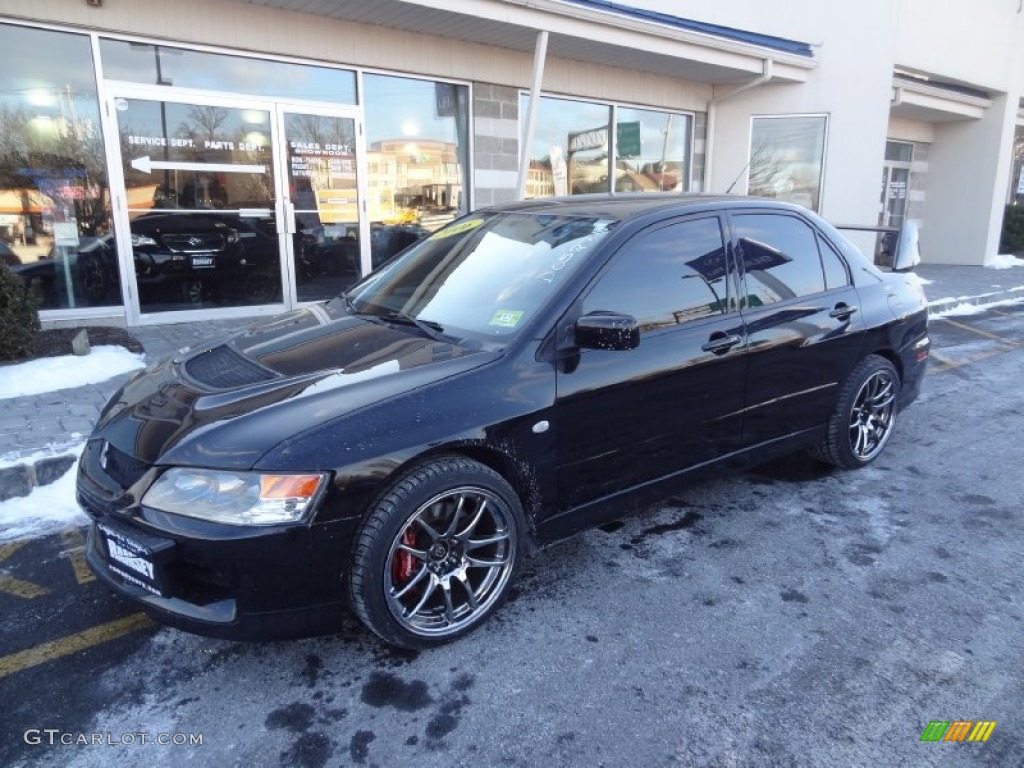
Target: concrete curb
20,479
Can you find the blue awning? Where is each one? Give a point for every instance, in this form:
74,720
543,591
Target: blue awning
728,33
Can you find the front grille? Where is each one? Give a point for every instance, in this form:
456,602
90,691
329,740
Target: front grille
196,243
125,469
223,368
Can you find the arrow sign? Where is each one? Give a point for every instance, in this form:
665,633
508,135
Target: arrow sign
146,165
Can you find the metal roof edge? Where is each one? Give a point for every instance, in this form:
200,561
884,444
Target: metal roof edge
781,44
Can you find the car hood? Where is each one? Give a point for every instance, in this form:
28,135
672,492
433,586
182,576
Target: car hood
227,404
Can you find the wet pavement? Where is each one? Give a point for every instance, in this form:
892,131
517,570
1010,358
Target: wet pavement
792,615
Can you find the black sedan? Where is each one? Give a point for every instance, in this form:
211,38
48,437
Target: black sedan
524,373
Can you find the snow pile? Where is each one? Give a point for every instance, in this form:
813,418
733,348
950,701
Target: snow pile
48,374
49,508
1003,261
71,447
963,309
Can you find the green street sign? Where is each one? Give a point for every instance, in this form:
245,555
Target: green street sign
627,136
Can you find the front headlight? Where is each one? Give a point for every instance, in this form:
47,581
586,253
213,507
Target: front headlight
235,498
141,240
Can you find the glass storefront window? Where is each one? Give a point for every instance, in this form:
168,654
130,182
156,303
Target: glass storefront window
1017,177
54,196
786,158
184,68
569,152
651,151
899,151
417,159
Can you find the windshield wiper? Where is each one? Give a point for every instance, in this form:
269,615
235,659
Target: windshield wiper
429,327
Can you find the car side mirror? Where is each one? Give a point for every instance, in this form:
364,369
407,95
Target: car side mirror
607,330
908,249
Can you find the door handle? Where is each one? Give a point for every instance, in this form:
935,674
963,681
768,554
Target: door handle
720,344
289,218
842,311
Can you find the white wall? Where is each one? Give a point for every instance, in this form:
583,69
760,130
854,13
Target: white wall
902,129
851,88
967,172
974,42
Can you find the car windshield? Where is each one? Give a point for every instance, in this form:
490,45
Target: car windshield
485,275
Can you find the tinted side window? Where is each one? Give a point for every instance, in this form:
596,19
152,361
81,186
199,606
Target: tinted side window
668,276
780,258
836,275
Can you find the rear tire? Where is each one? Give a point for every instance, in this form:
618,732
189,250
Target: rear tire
437,553
864,416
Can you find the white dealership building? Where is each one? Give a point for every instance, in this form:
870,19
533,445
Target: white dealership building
178,160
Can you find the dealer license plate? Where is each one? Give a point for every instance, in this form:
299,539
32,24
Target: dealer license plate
130,560
202,262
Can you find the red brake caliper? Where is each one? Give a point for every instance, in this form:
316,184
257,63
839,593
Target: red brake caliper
403,564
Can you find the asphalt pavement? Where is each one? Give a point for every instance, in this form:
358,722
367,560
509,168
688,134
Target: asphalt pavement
793,615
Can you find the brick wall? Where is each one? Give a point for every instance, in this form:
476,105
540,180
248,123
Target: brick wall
495,143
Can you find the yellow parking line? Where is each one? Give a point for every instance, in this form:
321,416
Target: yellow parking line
978,331
64,646
74,543
6,550
944,360
19,588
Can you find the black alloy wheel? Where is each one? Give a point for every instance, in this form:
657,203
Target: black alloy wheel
437,553
864,417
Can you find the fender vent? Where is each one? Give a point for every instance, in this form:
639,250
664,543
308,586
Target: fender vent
223,368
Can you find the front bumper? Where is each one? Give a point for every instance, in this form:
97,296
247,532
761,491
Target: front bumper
232,582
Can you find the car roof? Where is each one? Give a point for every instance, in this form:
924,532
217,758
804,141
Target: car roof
629,205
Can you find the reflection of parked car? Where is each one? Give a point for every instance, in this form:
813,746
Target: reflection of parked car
339,255
387,240
204,254
9,257
178,258
92,267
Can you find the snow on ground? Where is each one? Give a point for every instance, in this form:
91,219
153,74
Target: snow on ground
52,373
47,509
1003,261
70,447
915,279
963,309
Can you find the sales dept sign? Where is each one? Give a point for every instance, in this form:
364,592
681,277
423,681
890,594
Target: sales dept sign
627,137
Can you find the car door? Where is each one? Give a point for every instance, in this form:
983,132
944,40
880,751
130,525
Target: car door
803,326
631,417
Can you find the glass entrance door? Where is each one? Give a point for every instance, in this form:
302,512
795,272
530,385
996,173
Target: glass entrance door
322,200
235,207
200,198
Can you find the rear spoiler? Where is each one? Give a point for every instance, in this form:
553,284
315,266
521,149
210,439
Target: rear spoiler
898,249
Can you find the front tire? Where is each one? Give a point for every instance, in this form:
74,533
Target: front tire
437,553
864,416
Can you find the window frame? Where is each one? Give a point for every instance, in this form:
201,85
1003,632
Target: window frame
614,107
824,150
741,274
